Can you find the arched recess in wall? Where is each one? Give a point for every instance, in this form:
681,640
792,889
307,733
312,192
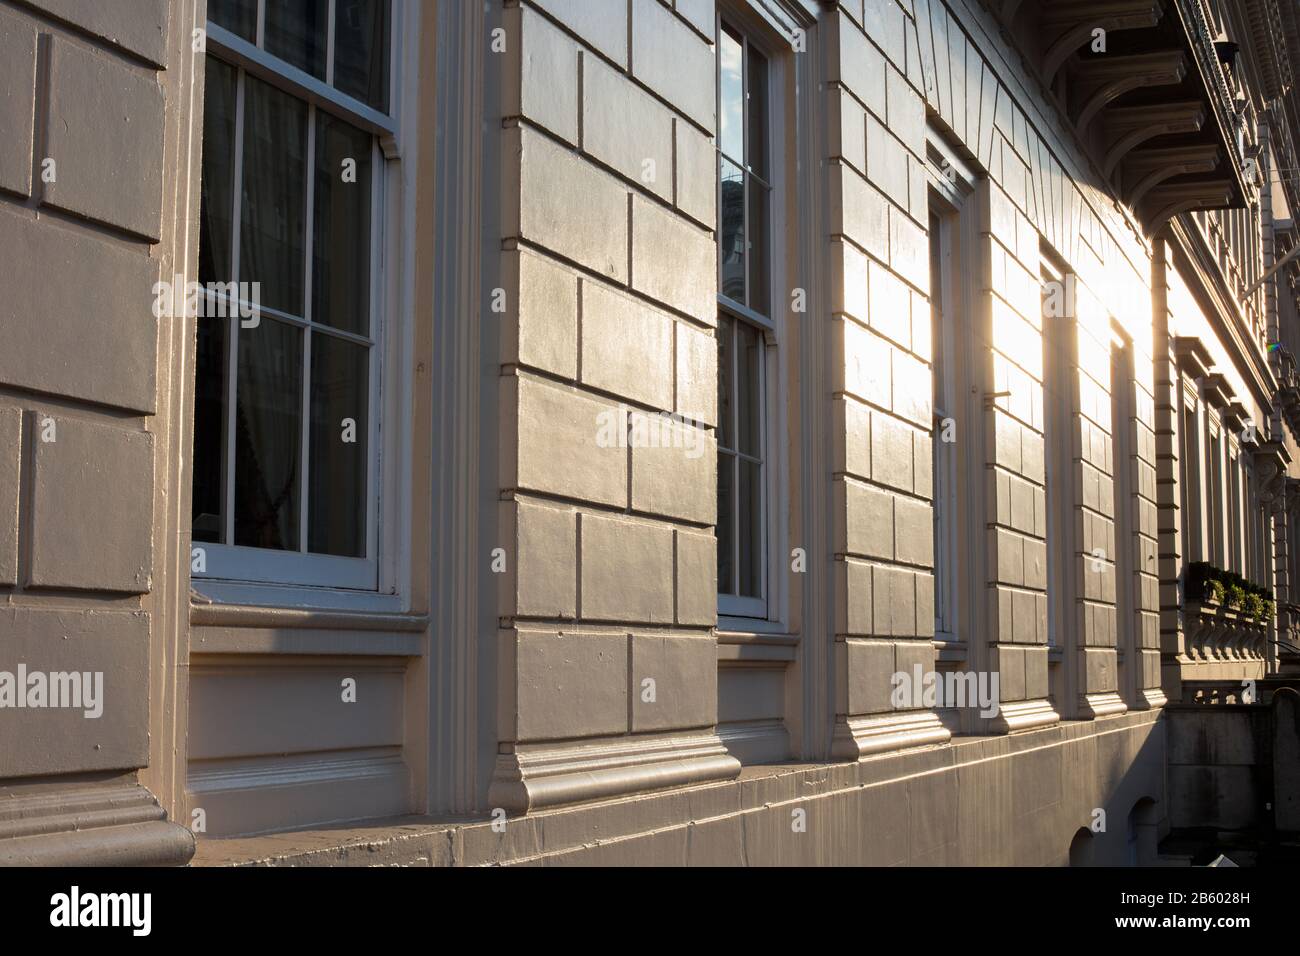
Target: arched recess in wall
1142,834
1082,848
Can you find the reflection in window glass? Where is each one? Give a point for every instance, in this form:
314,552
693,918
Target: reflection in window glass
731,237
744,193
731,95
237,16
296,32
360,50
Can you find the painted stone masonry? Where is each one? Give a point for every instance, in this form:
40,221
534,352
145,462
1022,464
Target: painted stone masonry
794,432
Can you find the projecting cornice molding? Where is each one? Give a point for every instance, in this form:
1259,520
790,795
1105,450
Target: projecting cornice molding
1235,416
1216,391
1192,356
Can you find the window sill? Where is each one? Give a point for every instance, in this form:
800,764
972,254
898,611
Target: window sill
209,598
949,651
751,627
241,629
752,645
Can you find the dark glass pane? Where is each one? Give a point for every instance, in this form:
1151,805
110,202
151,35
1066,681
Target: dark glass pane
275,177
726,523
208,508
341,226
759,280
749,502
726,386
237,16
296,32
339,397
268,436
731,233
756,158
216,202
749,396
731,95
361,50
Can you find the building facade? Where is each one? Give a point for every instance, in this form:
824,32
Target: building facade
638,431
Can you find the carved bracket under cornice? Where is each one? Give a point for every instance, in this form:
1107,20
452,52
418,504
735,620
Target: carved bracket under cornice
1148,168
1173,199
1131,126
1105,79
1070,25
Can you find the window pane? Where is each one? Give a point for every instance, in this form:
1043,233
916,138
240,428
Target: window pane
731,236
726,524
749,398
361,50
275,176
731,95
216,202
758,253
339,399
296,32
268,435
749,500
237,16
726,387
341,226
756,158
208,508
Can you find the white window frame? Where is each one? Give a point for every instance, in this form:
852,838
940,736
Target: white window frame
764,613
244,575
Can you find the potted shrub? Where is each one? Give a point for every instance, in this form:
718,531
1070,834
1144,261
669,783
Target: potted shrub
1235,595
1253,606
1213,592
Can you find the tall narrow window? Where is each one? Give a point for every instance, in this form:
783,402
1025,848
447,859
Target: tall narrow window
1190,481
1236,535
1214,522
1124,465
285,462
1059,346
951,352
745,323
